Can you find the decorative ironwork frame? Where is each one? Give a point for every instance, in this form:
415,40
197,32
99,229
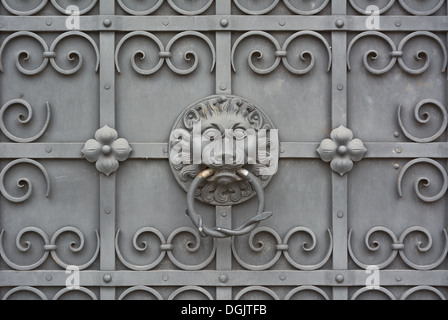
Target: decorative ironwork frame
223,23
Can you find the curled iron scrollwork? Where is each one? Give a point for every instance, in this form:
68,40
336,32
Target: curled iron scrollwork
281,52
403,4
404,296
22,182
398,247
171,3
165,54
426,118
424,180
396,53
166,248
22,120
43,3
50,247
49,53
282,247
314,7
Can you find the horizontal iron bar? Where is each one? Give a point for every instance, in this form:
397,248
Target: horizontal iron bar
351,278
288,150
235,23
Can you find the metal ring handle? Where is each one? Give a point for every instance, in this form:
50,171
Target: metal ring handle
218,232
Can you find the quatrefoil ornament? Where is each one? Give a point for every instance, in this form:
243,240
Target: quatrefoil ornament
107,150
342,150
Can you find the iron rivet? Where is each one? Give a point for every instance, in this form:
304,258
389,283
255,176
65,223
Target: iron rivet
107,86
398,278
282,23
49,22
49,277
340,87
165,22
223,213
340,278
107,278
224,23
165,277
398,23
223,86
283,277
340,214
399,150
108,210
396,134
396,166
340,23
107,22
165,150
223,278
48,149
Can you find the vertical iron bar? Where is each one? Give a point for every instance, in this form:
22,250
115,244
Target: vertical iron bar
223,86
224,251
107,117
339,117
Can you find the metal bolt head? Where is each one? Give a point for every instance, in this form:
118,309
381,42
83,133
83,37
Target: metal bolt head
223,278
399,150
342,150
224,23
107,86
165,277
282,23
107,278
48,149
340,278
49,277
106,150
283,277
108,210
165,22
398,23
340,87
396,134
340,23
107,22
340,214
397,166
49,22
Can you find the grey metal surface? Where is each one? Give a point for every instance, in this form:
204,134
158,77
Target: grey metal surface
362,177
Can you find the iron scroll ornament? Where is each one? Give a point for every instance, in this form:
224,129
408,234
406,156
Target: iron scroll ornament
218,232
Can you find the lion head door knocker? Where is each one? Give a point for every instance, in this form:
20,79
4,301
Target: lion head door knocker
223,151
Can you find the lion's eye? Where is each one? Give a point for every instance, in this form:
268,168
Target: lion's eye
239,134
212,134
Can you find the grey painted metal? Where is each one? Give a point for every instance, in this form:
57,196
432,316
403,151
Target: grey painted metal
312,67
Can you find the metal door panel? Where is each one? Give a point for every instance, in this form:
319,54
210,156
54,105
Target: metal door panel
334,89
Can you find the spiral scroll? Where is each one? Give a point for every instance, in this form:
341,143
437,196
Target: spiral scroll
166,247
165,54
50,246
23,182
424,180
315,8
403,4
42,5
281,53
396,53
425,120
49,53
398,247
282,247
24,103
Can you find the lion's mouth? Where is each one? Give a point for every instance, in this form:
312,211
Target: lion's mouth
226,175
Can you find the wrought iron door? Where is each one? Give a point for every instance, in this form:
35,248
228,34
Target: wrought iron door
86,178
